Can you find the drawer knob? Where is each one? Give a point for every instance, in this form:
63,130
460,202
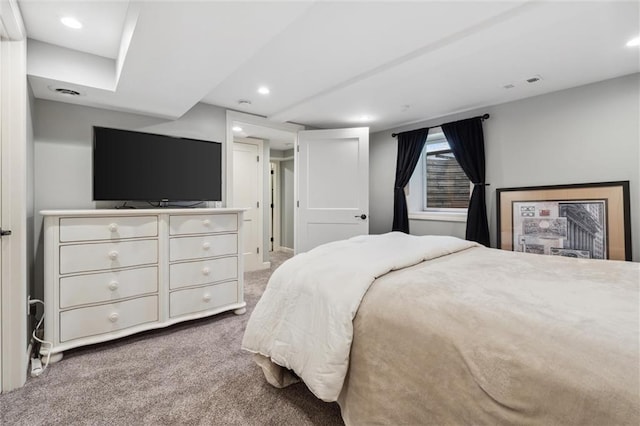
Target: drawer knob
206,246
206,297
206,271
206,222
114,317
113,227
113,285
113,255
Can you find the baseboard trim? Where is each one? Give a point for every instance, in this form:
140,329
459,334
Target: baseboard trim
285,249
258,267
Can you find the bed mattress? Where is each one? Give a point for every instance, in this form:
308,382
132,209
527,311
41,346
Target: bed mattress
470,336
493,337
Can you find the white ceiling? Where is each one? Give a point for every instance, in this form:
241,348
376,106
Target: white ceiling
102,20
327,63
279,140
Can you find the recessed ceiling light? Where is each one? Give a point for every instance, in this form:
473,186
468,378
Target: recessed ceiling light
634,42
263,90
236,128
71,22
364,118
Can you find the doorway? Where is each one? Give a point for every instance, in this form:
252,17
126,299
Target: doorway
279,140
284,200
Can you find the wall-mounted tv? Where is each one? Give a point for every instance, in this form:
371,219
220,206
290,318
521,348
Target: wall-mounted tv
135,166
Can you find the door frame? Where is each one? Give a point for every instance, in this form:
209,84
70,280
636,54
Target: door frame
280,205
13,201
241,117
274,227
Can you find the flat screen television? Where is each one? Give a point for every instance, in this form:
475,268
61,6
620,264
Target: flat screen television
136,166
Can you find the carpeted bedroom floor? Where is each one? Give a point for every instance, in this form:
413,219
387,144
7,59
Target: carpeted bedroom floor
190,373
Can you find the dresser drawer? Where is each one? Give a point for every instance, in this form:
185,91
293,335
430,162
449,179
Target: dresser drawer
192,300
95,257
184,248
202,223
85,322
107,286
107,228
207,271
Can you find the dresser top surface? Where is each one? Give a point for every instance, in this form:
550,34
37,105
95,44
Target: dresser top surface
139,212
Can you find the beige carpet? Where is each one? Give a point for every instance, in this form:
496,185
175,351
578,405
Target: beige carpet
191,373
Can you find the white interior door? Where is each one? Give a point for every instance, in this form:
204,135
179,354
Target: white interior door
247,190
332,175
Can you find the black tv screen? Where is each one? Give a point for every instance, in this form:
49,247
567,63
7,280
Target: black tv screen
135,166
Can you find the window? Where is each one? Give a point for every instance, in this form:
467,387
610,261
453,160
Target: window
445,183
439,188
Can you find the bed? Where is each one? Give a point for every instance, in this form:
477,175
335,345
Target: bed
402,329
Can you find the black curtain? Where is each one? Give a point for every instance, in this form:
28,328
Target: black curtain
410,146
467,143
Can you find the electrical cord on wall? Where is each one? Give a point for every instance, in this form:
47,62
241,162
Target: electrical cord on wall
36,364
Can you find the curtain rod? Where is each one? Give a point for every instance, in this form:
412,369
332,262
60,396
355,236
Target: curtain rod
482,117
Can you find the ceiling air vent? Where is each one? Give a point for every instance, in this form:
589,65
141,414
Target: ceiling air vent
67,92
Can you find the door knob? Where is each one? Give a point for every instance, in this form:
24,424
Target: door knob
362,216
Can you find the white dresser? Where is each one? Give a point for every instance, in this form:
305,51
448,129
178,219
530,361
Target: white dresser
112,273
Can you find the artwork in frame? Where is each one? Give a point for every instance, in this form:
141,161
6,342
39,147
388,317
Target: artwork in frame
585,221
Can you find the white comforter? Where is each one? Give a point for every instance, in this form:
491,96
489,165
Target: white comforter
304,319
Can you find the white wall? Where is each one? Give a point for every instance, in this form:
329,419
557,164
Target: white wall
63,152
63,143
581,135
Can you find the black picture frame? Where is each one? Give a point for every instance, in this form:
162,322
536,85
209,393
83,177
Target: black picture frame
583,220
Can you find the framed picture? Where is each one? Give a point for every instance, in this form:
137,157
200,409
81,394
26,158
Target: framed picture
586,221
